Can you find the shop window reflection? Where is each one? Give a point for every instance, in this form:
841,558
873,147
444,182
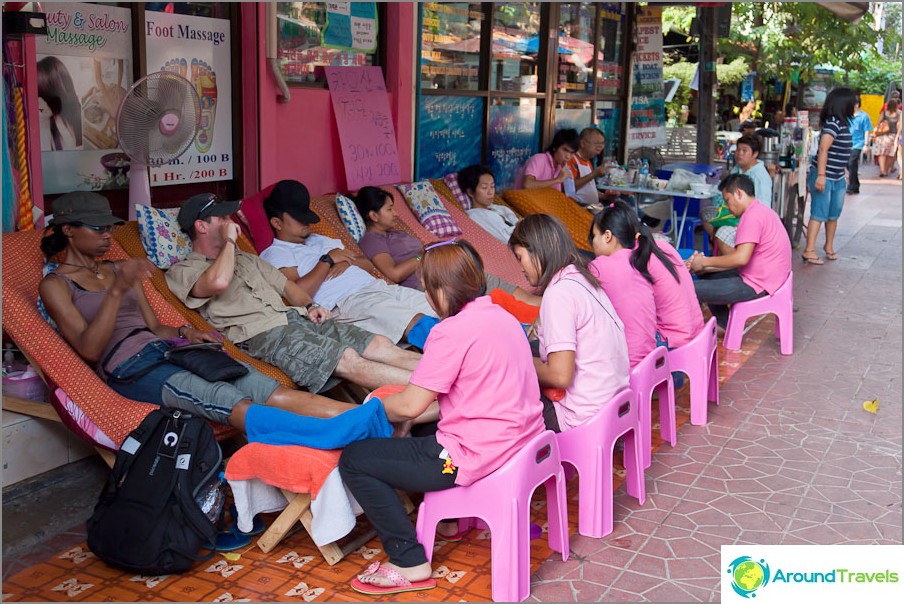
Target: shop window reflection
516,43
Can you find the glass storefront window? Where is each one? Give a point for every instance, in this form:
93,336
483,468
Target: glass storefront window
450,45
576,47
515,47
573,114
608,120
608,65
301,57
514,135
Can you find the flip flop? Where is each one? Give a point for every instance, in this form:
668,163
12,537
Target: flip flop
231,540
813,260
831,255
451,538
400,583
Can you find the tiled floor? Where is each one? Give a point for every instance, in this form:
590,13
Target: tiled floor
790,456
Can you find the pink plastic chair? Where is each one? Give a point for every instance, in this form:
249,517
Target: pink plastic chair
589,448
781,304
502,501
654,375
699,360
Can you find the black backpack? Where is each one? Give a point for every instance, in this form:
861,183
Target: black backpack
149,518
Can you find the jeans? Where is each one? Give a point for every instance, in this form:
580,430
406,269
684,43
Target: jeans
854,171
148,387
372,469
720,289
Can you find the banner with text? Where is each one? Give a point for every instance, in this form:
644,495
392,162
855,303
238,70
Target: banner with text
196,48
84,67
365,126
448,134
514,137
351,26
647,127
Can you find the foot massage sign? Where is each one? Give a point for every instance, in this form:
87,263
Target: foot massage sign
787,573
196,48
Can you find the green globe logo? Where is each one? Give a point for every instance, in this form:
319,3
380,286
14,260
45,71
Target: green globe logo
748,575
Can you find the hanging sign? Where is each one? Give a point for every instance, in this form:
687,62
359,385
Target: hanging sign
365,126
84,66
647,123
196,48
351,26
446,141
513,139
747,87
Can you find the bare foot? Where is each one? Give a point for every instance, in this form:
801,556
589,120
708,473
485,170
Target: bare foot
447,529
402,429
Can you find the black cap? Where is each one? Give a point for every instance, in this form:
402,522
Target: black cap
205,205
747,124
291,197
83,207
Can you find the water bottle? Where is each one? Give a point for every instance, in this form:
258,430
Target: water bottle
644,173
632,171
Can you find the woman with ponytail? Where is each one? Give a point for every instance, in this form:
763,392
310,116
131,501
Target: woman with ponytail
646,280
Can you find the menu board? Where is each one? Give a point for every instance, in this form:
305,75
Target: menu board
351,26
365,126
513,140
647,120
84,68
448,134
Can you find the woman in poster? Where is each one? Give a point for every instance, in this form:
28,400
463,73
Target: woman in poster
59,107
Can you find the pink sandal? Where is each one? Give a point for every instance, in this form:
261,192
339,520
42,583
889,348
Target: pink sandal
400,583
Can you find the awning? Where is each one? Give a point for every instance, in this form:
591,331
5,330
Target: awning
849,11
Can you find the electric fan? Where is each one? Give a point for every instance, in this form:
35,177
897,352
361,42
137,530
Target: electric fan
157,121
651,154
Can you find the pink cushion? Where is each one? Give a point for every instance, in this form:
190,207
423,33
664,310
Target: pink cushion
256,225
463,200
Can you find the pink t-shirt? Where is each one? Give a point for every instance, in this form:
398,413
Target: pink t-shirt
576,316
678,315
770,263
480,365
632,298
542,167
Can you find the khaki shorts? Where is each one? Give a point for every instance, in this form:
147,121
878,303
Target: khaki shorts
307,352
383,309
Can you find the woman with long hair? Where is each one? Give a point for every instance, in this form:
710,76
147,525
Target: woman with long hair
58,104
582,346
477,365
826,180
646,280
887,142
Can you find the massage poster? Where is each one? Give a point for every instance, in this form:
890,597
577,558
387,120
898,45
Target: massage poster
84,67
196,48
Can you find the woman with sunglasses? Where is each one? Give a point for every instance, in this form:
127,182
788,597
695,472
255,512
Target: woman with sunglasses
101,310
475,356
582,346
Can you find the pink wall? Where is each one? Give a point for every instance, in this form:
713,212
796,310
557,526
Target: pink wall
299,139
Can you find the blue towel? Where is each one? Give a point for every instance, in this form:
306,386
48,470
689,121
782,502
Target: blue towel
273,426
417,335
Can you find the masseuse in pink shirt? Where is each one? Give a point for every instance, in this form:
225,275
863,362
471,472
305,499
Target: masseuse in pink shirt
760,262
477,364
582,340
550,168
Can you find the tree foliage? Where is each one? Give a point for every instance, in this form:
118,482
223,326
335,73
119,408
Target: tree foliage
729,74
874,79
800,36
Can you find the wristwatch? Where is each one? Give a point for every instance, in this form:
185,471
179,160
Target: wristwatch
326,258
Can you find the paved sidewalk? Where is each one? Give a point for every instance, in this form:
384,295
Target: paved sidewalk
790,456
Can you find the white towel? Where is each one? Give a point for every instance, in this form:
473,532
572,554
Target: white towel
333,511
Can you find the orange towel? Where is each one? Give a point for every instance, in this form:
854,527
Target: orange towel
294,468
524,312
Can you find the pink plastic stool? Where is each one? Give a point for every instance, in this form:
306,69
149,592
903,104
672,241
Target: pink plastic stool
589,448
502,501
699,360
781,304
654,375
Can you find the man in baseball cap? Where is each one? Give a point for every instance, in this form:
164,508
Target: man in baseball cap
203,206
292,198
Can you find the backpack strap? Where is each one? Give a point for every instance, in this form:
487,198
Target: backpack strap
185,493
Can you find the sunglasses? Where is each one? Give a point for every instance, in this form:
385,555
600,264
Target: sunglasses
103,230
213,199
452,241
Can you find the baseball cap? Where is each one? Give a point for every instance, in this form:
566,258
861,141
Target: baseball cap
291,197
84,207
203,206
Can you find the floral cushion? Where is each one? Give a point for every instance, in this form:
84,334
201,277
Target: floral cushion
49,267
430,212
351,218
163,240
461,198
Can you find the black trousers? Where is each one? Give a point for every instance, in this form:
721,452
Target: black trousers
854,169
372,469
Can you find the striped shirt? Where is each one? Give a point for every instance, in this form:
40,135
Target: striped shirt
839,152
